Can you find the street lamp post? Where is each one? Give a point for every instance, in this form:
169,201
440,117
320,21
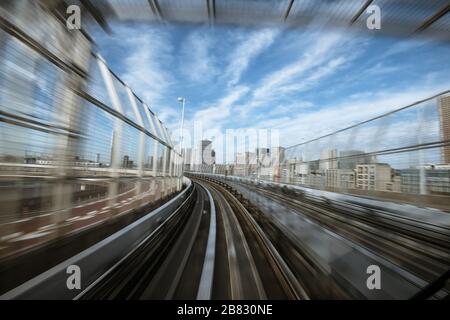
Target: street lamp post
183,101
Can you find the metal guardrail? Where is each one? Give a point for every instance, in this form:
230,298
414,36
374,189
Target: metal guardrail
62,106
402,152
406,150
425,215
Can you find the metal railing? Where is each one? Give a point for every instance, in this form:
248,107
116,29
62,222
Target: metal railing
398,155
66,118
405,150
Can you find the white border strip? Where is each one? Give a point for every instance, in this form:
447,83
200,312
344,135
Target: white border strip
206,280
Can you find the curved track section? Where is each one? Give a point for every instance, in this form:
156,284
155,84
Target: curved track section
334,241
211,248
100,260
245,256
222,240
418,247
161,267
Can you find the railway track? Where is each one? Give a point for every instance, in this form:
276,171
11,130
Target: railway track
138,272
422,249
216,245
211,248
255,268
287,269
415,246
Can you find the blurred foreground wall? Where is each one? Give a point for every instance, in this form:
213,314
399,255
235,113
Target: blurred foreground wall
77,146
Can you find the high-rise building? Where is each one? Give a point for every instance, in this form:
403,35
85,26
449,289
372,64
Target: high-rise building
206,152
213,156
341,178
278,155
289,171
348,159
444,122
263,167
277,160
376,176
242,158
437,179
187,158
263,156
328,159
243,162
126,162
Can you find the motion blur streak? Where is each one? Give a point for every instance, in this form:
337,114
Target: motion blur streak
77,146
91,181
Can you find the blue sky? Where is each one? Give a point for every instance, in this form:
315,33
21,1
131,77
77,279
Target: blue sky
304,83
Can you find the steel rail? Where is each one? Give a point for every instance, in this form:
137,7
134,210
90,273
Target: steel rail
291,286
133,251
407,253
235,239
206,279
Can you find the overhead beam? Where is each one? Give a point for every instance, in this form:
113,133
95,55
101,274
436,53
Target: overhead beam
96,14
360,11
435,17
156,9
211,6
288,10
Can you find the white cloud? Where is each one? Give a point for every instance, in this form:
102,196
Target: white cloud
146,64
170,116
324,55
248,49
313,57
297,71
197,61
147,54
405,46
382,69
213,116
314,78
309,125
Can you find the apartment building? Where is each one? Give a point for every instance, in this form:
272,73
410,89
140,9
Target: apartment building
376,176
